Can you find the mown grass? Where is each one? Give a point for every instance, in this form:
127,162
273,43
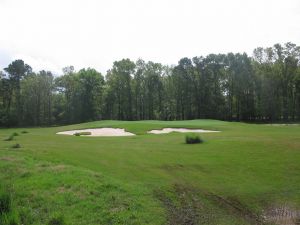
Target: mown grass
142,179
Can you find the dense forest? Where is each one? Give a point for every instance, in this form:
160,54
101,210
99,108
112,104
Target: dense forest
234,87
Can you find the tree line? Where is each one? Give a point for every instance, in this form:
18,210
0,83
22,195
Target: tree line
234,87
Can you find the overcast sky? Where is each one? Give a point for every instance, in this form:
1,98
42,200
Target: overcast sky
51,34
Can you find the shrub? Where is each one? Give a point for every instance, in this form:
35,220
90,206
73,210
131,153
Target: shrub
82,133
16,146
24,132
193,139
10,138
57,220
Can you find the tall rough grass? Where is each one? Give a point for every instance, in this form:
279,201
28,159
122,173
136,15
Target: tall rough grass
7,215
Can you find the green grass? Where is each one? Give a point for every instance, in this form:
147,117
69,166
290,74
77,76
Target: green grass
151,179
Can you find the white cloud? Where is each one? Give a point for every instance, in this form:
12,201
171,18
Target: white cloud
51,34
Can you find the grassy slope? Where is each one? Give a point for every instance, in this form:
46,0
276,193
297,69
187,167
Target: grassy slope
141,179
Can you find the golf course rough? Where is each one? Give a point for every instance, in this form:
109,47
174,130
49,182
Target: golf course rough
245,174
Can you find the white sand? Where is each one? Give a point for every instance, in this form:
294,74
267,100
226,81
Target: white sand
181,130
105,132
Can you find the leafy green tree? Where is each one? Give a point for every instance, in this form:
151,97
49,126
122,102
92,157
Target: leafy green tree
37,95
153,90
91,91
265,87
139,90
17,70
83,92
120,81
183,81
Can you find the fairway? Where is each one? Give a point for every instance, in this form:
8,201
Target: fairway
237,176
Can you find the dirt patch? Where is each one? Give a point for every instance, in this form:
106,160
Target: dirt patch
188,206
235,207
7,158
180,167
48,167
171,167
80,193
43,165
282,215
61,189
184,209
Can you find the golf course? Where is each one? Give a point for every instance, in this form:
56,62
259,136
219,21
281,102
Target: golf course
244,174
139,112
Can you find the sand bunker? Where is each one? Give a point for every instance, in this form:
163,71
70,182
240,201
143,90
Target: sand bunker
97,132
181,130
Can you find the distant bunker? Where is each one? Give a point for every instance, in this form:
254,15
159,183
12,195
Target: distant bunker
99,132
118,132
181,130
